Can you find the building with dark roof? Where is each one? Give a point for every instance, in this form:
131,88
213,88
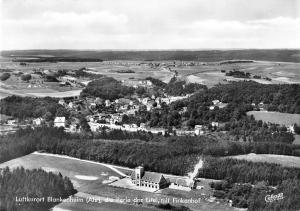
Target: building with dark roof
153,180
182,183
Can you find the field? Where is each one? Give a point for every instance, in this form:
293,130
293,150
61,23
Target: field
297,139
91,178
276,117
210,73
287,161
282,55
37,87
280,67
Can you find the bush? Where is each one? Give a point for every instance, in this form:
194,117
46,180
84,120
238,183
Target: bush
4,76
26,77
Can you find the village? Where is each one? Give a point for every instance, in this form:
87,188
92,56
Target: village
105,114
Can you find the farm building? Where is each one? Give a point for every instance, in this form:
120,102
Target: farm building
182,184
153,180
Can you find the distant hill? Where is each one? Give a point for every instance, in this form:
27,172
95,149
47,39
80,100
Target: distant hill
280,55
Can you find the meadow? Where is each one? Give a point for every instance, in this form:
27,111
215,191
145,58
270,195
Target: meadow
284,160
209,73
89,178
276,117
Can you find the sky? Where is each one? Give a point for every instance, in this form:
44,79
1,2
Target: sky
149,24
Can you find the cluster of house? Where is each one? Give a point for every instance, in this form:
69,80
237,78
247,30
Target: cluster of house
217,103
135,83
156,181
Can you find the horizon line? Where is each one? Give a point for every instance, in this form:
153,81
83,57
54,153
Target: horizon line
127,49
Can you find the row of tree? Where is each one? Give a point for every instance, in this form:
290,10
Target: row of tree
173,154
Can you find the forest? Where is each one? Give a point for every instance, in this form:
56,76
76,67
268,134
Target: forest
4,76
178,88
174,155
238,74
237,98
32,183
107,88
242,171
247,183
27,107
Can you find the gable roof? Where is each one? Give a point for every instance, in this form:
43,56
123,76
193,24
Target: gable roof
60,119
150,177
182,182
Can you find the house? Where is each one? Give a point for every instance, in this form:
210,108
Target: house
199,130
37,121
107,103
62,102
149,107
211,107
74,128
94,126
215,102
215,124
145,100
11,122
291,129
60,122
165,100
152,180
99,101
185,132
92,105
261,106
182,184
68,78
71,104
142,125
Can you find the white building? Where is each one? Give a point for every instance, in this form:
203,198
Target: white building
60,122
291,129
199,130
215,102
215,124
107,103
62,102
37,121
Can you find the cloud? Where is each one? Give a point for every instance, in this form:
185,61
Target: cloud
118,24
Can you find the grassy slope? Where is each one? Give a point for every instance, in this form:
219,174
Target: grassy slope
276,117
71,168
288,161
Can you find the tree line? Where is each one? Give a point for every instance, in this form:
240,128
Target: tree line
174,155
32,183
27,107
107,88
247,183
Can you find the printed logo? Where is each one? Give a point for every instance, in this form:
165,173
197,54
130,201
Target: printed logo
271,198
